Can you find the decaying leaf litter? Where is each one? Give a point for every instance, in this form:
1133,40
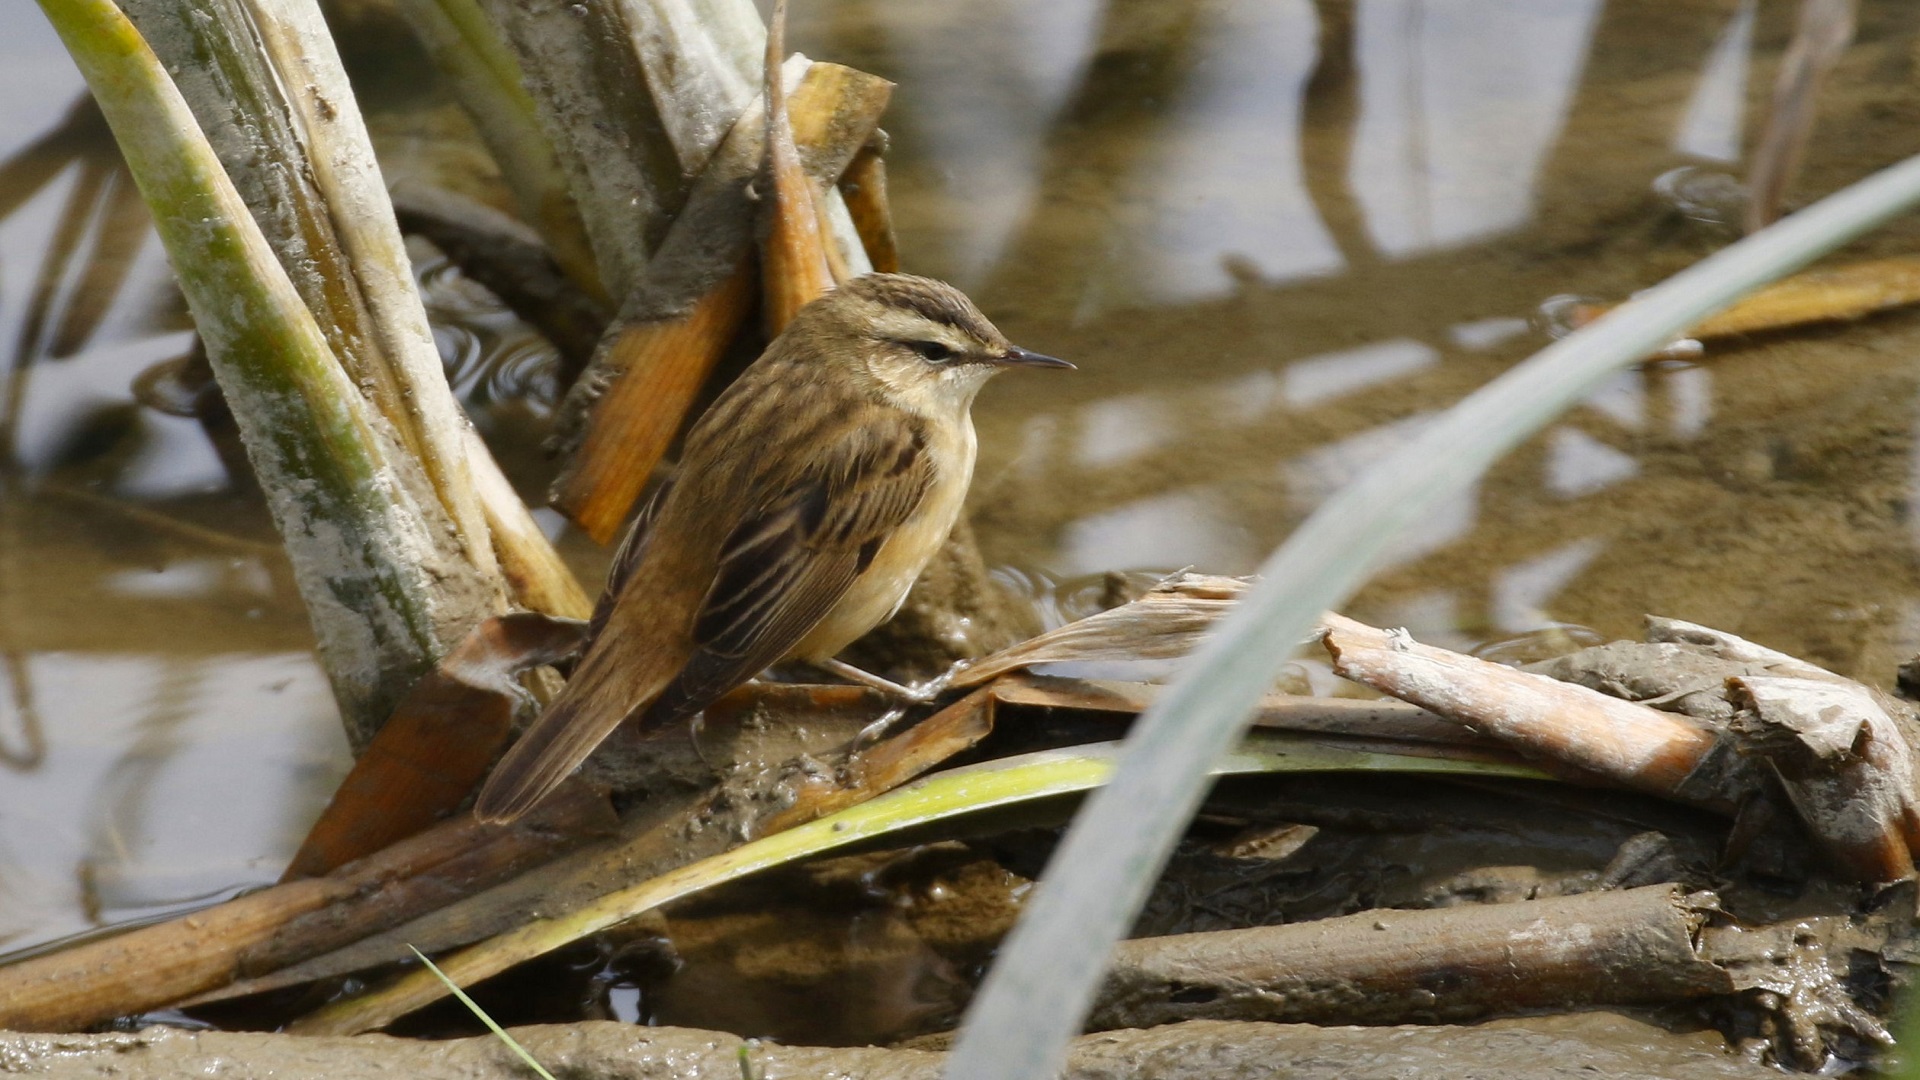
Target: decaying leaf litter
1757,757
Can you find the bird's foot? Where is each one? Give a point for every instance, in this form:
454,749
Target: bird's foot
918,694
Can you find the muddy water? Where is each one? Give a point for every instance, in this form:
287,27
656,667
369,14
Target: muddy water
1277,236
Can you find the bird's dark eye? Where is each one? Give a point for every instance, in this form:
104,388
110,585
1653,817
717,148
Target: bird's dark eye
931,351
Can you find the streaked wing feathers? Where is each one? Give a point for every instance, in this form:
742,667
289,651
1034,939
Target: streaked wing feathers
782,570
627,558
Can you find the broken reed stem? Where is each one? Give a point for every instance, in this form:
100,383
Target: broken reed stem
636,397
369,542
865,188
1839,294
1380,719
887,765
656,836
664,364
435,749
1626,947
1169,621
405,364
794,268
937,797
1633,745
1844,763
536,576
160,965
591,101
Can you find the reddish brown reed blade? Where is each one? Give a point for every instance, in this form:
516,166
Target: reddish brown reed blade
794,266
166,963
663,365
864,186
652,367
437,745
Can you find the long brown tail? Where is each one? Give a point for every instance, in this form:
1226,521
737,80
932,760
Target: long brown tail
579,720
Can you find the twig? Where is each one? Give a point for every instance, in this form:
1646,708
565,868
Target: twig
1631,947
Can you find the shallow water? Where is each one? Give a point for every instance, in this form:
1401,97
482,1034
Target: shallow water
1276,236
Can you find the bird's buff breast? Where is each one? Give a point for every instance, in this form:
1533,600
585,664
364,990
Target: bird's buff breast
876,594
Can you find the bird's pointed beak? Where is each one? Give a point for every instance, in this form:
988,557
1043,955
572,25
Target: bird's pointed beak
1019,357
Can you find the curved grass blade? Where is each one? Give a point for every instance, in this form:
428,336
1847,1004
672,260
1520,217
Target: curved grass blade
492,1025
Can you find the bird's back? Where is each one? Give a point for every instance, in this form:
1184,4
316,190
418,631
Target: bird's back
731,471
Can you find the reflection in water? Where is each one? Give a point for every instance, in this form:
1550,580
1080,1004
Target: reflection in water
1005,87
165,780
1319,379
1313,477
1226,183
1483,334
1623,399
1714,118
1116,429
1523,591
1177,529
1689,393
1579,464
23,738
1460,102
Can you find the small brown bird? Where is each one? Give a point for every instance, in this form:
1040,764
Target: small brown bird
809,498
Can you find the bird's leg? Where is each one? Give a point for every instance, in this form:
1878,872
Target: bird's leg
918,693
870,734
696,726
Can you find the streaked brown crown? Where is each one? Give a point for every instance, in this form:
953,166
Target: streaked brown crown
936,301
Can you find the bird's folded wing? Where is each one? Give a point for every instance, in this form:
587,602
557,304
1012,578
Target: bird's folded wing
626,558
783,569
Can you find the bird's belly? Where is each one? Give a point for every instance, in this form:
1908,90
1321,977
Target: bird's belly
878,592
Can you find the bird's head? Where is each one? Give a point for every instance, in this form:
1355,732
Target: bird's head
922,341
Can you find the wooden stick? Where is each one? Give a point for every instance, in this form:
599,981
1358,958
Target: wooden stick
1631,744
1630,947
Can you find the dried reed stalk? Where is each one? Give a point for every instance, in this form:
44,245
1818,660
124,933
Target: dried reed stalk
1630,744
160,965
627,409
1840,294
865,188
